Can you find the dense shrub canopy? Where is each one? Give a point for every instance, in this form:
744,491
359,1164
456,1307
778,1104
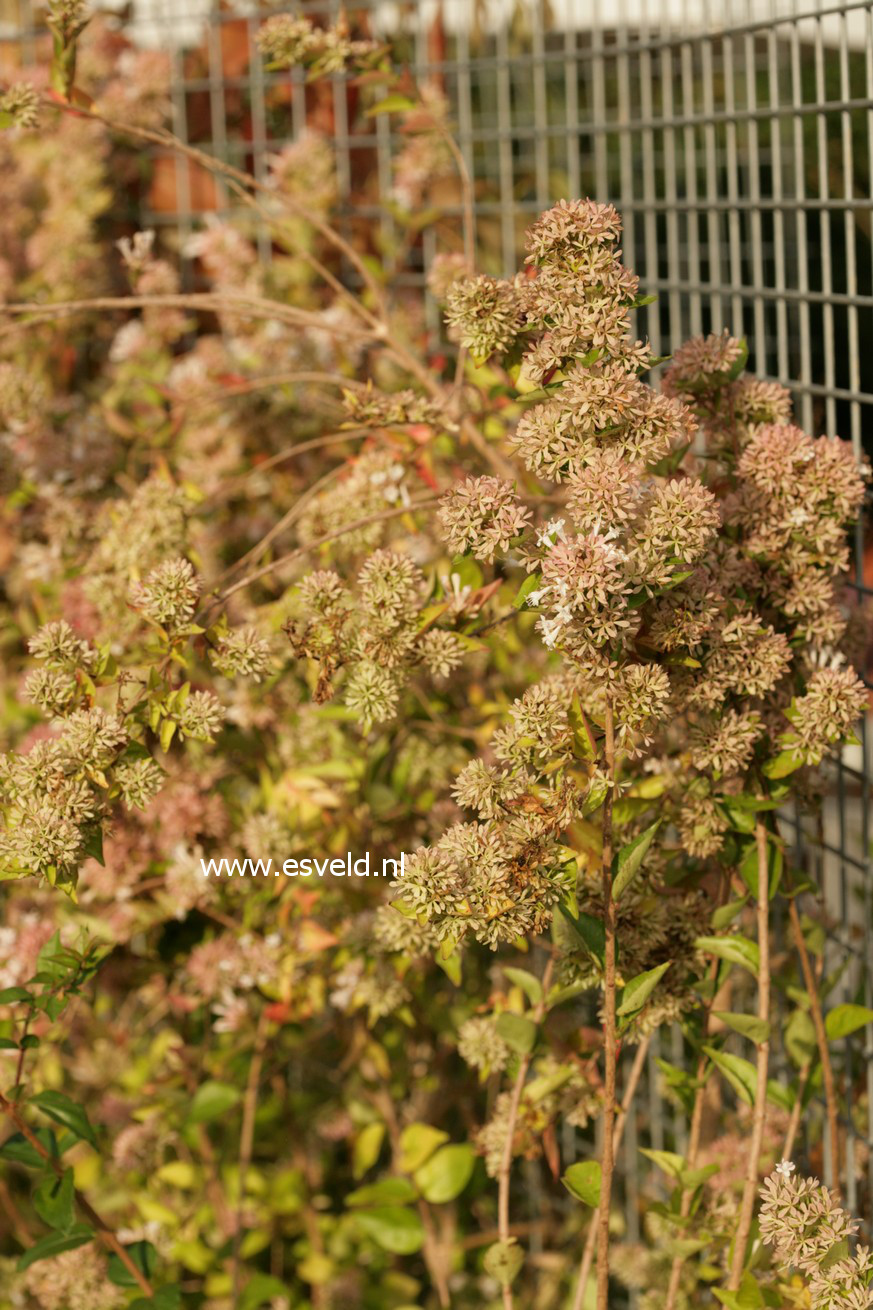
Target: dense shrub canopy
563,626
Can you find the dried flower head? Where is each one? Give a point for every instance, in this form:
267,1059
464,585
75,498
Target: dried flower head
482,515
168,595
21,102
483,314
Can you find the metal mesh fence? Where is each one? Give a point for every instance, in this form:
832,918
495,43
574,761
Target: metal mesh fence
735,139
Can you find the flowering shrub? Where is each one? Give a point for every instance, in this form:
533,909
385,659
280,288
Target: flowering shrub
281,583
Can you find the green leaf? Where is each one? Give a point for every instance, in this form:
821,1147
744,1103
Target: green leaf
726,914
670,463
392,104
591,931
845,1019
166,1298
799,1038
260,1289
691,1178
388,1191
517,1031
418,1141
47,962
839,1251
529,984
531,582
18,1149
749,1297
745,1024
780,1095
749,867
547,1083
582,1180
367,1147
468,571
741,1075
629,859
671,1163
736,949
66,1112
586,746
634,994
53,1200
143,1255
503,1261
212,1100
93,845
56,1244
782,764
394,1228
446,1174
9,995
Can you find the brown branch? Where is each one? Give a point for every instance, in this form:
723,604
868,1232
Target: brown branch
759,1119
16,1218
321,541
607,1161
796,1112
621,1119
693,1143
246,1145
505,1171
104,1232
821,1038
262,382
208,301
161,137
432,1248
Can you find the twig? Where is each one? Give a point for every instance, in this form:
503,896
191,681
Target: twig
262,382
225,302
634,1076
321,541
607,1162
290,452
796,1112
246,1144
821,1038
168,141
104,1232
693,1144
759,1120
15,1217
505,1171
432,1251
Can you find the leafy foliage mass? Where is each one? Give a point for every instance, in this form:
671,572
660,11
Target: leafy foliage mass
282,582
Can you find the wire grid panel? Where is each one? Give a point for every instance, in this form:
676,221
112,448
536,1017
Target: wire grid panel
735,139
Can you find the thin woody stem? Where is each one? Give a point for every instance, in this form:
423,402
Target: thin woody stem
759,1118
610,1044
208,301
587,1260
505,1172
821,1037
282,560
693,1146
246,1146
161,137
103,1231
432,1249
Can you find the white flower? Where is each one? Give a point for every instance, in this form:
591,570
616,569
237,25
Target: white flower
551,533
785,1168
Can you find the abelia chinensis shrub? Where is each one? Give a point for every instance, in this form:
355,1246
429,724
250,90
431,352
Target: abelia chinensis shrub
282,584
